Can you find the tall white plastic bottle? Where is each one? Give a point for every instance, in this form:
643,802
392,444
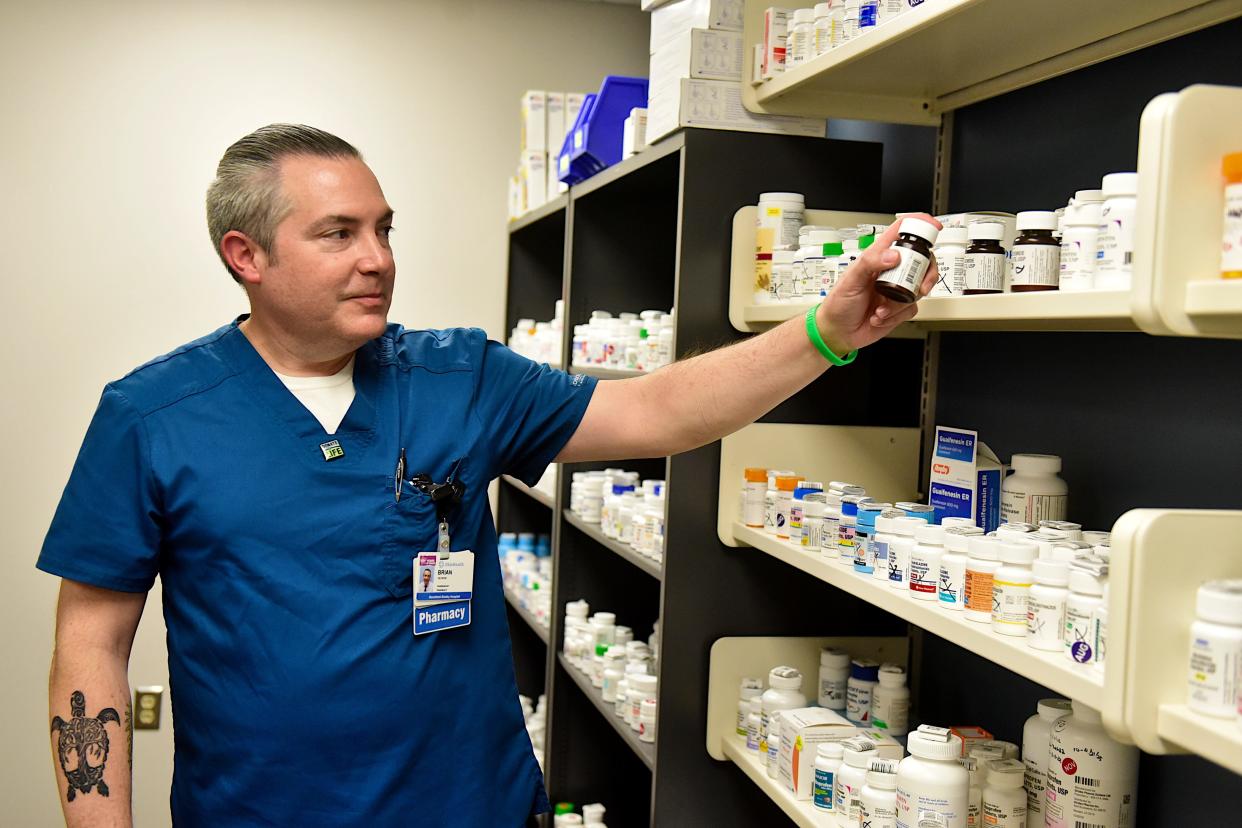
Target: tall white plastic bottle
1036,734
931,779
1092,778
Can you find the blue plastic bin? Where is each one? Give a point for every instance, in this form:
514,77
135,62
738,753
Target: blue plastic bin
594,142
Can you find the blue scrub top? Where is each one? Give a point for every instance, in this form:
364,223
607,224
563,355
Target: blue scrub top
300,694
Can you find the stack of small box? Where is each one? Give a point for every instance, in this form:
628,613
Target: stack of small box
696,73
546,117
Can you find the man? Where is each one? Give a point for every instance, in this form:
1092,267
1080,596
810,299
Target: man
282,476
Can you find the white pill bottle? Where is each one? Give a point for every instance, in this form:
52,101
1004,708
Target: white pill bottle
1036,735
784,693
1092,778
1034,492
1216,648
931,780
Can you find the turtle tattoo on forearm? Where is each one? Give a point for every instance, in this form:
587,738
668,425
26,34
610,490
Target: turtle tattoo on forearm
83,746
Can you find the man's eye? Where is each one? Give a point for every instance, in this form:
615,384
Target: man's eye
339,235
387,231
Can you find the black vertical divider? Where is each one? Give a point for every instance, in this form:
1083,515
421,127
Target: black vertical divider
712,590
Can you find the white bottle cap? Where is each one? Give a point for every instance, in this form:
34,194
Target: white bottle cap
748,693
1053,709
1083,215
593,814
1084,581
1051,572
643,683
930,534
923,229
648,708
1120,184
804,16
956,538
834,657
607,619
1037,220
785,678
823,9
906,526
1088,197
952,235
929,746
984,547
1220,602
830,750
858,750
950,522
993,230
814,508
1018,552
892,675
782,197
1007,773
882,774
1036,463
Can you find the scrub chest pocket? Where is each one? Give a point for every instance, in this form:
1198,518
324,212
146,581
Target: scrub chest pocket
411,526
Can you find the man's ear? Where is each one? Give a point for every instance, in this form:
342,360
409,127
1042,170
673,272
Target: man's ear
244,256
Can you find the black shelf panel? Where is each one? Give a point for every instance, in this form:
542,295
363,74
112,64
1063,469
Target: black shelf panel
592,530
650,155
534,494
526,616
643,750
549,208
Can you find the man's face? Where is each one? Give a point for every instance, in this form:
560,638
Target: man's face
332,276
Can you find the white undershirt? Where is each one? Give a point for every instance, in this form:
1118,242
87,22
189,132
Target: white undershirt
328,398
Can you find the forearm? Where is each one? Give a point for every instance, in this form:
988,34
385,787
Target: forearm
704,398
90,715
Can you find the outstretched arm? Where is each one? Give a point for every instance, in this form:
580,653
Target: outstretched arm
691,403
88,701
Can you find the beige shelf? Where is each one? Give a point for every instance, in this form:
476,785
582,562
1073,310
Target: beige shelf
1219,740
883,459
802,813
1151,607
1178,222
965,51
1219,299
1052,670
1095,310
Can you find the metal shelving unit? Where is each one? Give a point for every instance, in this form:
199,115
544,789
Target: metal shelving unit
622,550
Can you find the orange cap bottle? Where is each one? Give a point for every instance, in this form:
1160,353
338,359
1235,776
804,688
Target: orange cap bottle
1231,243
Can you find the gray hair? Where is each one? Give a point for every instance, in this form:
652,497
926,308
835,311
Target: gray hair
246,195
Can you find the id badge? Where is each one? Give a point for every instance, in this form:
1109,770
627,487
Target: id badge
443,588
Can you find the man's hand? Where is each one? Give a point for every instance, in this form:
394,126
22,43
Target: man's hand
854,315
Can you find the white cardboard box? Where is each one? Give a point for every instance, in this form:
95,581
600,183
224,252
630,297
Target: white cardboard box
556,121
534,121
667,22
803,731
534,174
716,105
776,23
699,53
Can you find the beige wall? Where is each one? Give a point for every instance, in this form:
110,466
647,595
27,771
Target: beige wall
114,115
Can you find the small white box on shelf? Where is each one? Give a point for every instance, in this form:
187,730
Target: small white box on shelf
556,121
699,53
775,30
534,121
634,133
670,21
802,732
535,178
716,105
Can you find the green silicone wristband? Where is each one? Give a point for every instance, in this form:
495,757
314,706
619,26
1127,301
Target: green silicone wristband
812,332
